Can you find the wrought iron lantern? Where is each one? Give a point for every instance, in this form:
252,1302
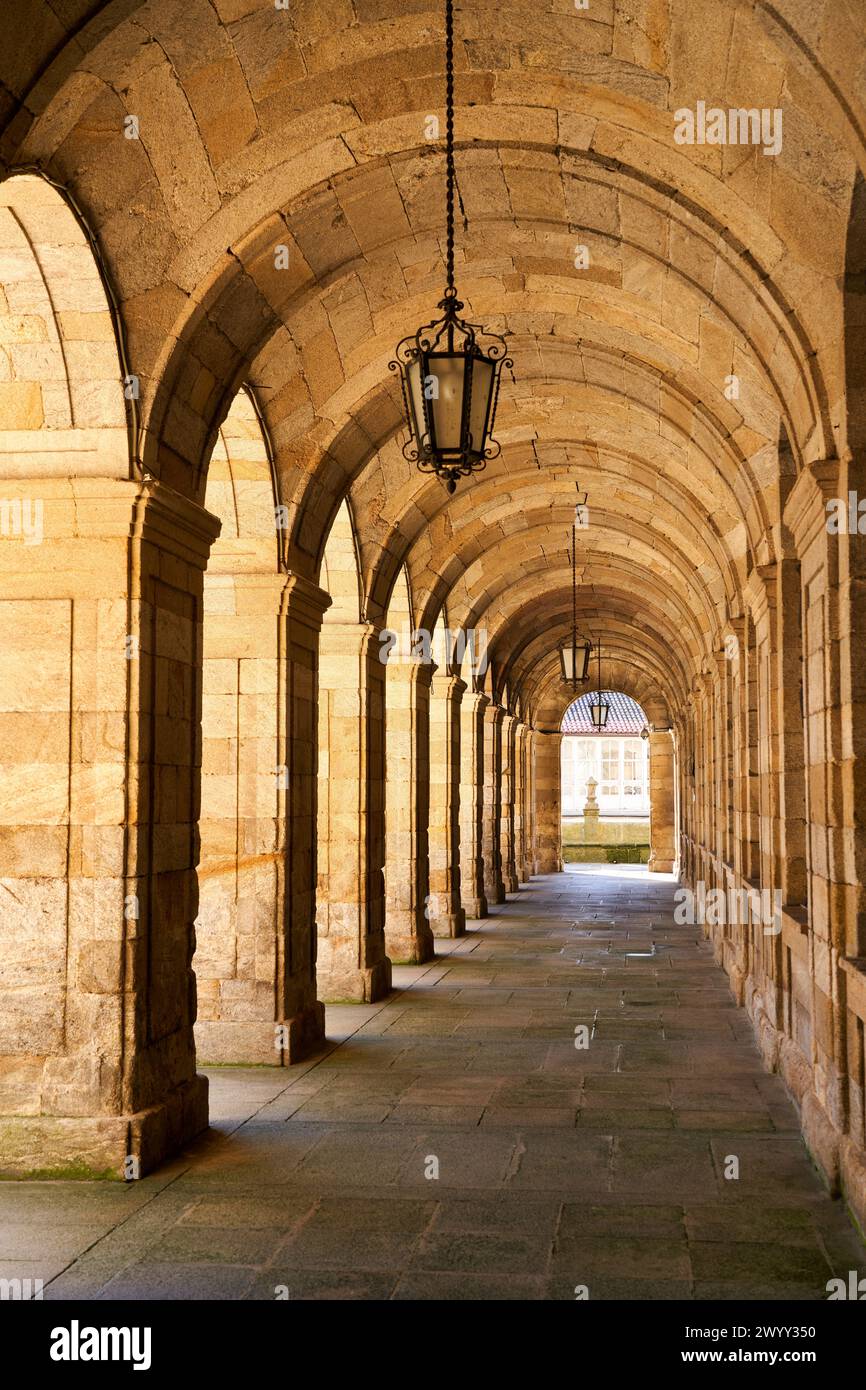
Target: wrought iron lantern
450,368
599,708
574,660
574,654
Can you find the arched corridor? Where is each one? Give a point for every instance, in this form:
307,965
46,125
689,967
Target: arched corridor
285,686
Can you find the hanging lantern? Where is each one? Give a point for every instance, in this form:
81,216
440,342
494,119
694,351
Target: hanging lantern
599,708
449,368
574,653
574,661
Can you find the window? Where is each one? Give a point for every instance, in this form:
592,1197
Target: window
619,767
610,774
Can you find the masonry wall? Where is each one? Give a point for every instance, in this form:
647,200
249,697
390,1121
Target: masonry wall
791,937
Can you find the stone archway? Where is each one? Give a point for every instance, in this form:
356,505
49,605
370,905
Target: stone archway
242,821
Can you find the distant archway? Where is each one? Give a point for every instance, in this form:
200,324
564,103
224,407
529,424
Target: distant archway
244,777
605,782
350,893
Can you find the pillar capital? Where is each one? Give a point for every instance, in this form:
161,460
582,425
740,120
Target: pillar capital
805,512
414,673
760,591
549,734
475,701
173,522
449,687
303,599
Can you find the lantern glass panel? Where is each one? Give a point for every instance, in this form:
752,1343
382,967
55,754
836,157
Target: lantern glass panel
599,711
414,376
483,374
444,385
574,662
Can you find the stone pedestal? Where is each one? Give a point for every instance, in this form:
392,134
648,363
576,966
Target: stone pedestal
591,814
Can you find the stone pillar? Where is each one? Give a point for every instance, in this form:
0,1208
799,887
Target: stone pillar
446,915
731,657
494,888
297,1004
351,816
663,850
749,852
548,798
472,896
409,939
254,957
532,794
521,819
101,628
508,834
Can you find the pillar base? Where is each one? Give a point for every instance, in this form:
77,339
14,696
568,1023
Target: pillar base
495,895
549,864
356,986
475,907
449,924
660,866
256,1043
414,948
512,883
98,1146
853,1179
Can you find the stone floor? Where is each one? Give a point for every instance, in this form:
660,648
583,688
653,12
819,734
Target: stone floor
557,1166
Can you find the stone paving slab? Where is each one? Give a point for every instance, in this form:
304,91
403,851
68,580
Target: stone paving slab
453,1143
